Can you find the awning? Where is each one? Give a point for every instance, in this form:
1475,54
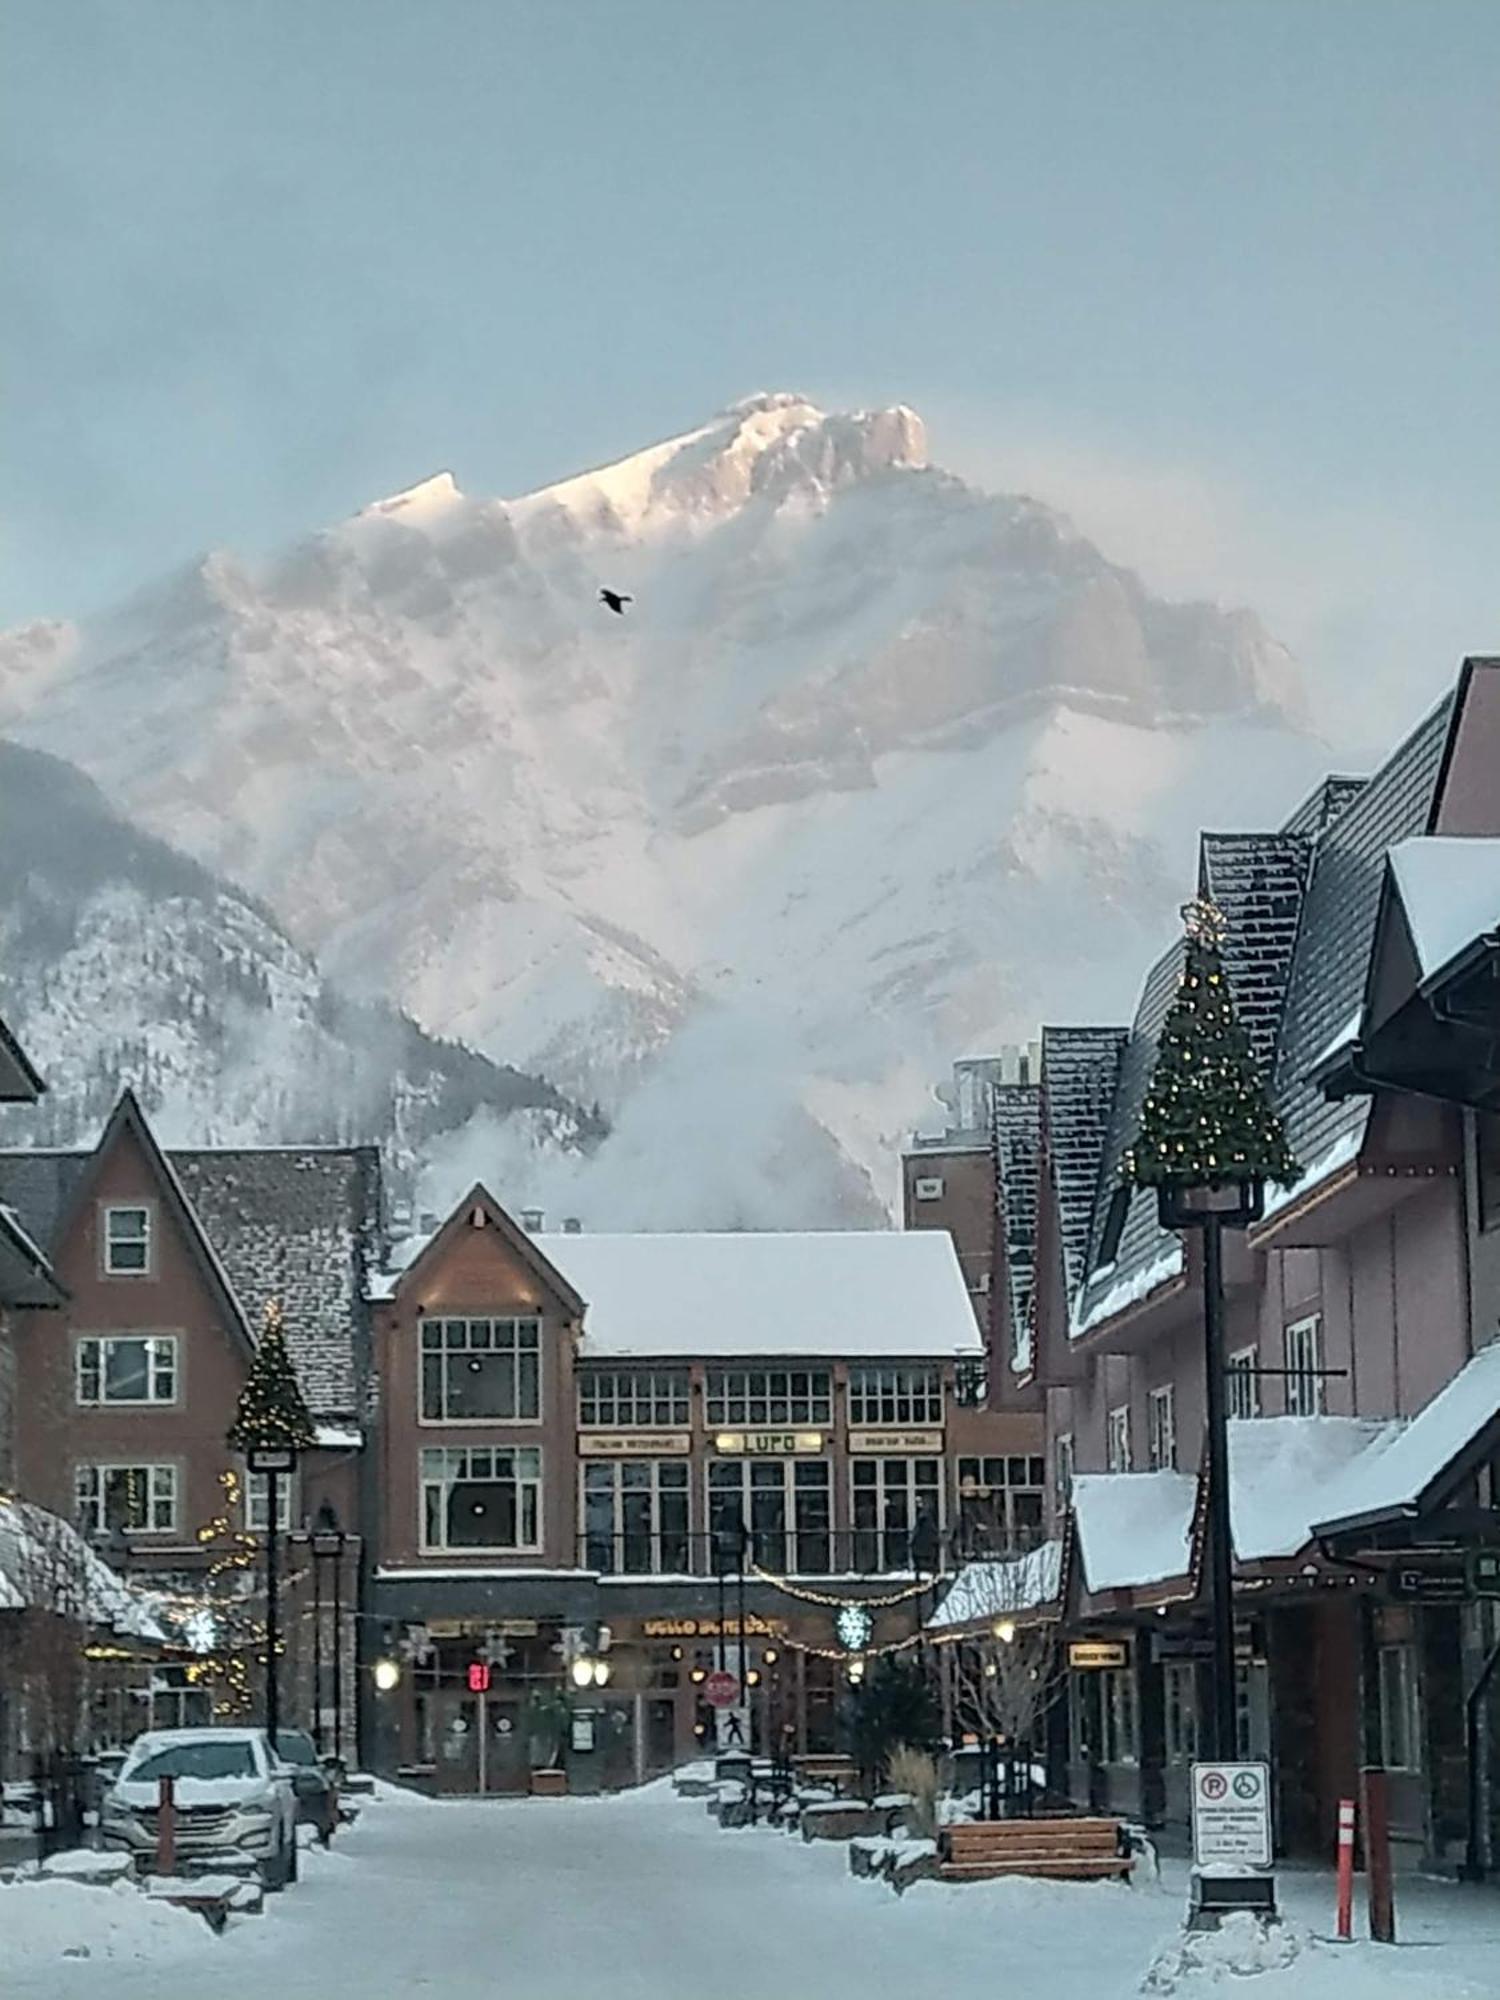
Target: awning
1017,1587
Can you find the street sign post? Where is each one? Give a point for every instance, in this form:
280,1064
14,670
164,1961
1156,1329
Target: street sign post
1232,1814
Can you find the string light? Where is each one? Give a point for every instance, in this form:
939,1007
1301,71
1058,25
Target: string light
832,1603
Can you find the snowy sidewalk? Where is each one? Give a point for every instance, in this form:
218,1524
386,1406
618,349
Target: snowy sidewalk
643,1898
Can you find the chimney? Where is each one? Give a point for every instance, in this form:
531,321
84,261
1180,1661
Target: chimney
427,1222
572,1226
531,1221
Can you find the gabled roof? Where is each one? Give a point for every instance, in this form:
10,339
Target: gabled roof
19,1082
1080,1067
1449,886
415,1255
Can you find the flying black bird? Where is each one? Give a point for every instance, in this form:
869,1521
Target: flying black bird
615,601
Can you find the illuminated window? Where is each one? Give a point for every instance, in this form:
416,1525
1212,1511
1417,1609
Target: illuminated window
481,1497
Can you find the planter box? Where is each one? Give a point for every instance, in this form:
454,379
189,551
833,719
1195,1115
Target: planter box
549,1784
842,1821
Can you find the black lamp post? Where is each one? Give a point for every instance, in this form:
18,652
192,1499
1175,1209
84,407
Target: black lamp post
274,1463
327,1543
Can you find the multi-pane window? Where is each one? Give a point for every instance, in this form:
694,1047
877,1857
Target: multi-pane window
481,1370
258,1504
1161,1421
1000,1502
893,1498
481,1497
1304,1359
1062,1468
1400,1713
127,1241
1243,1382
137,1499
1117,1716
1179,1680
127,1368
785,1503
635,1516
895,1395
619,1399
738,1396
1117,1439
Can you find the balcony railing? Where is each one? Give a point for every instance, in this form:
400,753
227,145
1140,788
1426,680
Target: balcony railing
858,1552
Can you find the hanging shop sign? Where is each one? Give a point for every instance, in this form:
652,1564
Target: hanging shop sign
634,1444
769,1444
903,1441
708,1628
1089,1655
1429,1579
1232,1814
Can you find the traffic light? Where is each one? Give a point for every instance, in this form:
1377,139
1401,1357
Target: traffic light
479,1677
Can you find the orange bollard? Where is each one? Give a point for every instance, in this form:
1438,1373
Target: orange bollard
1346,1869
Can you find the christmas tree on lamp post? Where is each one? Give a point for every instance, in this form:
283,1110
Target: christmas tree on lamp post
271,1426
1209,1141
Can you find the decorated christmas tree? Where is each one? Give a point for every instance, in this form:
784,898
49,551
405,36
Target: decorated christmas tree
271,1412
1207,1121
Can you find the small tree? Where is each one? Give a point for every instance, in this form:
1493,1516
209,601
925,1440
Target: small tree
1207,1121
892,1706
271,1412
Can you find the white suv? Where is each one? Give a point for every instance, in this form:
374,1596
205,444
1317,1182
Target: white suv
233,1799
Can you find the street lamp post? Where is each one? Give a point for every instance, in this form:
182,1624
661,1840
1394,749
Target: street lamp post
328,1540
274,1463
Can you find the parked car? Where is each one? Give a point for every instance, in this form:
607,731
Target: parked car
233,1797
312,1782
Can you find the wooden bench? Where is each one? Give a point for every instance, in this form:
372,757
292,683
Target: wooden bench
1081,1850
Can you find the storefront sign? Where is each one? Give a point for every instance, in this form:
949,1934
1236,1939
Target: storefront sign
1232,1814
1085,1655
769,1444
708,1628
634,1444
925,1441
481,1628
1429,1579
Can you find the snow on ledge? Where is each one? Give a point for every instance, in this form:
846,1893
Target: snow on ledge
1342,1153
1130,1290
1449,887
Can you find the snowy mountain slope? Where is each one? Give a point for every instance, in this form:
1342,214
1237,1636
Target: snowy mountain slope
124,962
877,769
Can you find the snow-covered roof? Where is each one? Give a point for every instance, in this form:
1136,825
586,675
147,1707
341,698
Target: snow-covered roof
1450,890
1134,1528
1395,1472
1131,1289
1000,1589
1281,1470
45,1564
821,1292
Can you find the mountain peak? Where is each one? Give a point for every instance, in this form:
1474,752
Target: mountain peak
433,495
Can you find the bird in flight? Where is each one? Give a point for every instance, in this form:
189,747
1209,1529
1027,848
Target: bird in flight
615,601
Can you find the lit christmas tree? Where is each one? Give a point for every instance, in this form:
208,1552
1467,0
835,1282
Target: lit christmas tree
1207,1121
271,1413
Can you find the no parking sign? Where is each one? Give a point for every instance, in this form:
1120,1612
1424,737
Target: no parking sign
1232,1813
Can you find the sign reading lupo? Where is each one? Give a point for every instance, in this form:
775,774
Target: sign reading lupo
769,1444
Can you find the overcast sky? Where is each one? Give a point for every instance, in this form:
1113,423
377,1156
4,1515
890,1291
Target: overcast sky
1221,276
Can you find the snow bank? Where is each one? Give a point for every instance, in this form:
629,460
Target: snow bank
1240,1947
42,1922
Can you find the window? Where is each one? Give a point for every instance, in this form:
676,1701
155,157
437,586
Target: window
895,1396
127,1242
1000,1502
1117,1716
121,1368
892,1496
1062,1468
1304,1357
1244,1383
635,1516
929,1187
769,1396
481,1497
620,1399
787,1505
1117,1439
1179,1680
137,1499
1161,1421
1400,1715
481,1370
257,1504
1114,1227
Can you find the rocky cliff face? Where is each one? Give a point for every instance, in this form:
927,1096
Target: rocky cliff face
876,770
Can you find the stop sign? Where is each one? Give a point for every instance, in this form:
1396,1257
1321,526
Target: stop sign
721,1690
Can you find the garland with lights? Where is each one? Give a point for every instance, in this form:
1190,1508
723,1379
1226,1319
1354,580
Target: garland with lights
832,1603
1207,1120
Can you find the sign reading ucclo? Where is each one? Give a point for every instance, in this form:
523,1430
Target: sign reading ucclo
1232,1814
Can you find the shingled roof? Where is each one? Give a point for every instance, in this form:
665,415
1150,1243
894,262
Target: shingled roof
301,1224
1257,880
1017,1111
1079,1071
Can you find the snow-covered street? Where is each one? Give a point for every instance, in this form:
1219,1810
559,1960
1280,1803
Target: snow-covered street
640,1895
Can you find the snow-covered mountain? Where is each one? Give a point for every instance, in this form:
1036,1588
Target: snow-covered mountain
876,770
124,962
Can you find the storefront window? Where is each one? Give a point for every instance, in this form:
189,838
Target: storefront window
784,1503
754,1396
1304,1358
896,1395
1180,1701
1000,1502
635,1516
619,1399
481,1497
481,1370
1117,1716
892,1496
1400,1717
1243,1382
